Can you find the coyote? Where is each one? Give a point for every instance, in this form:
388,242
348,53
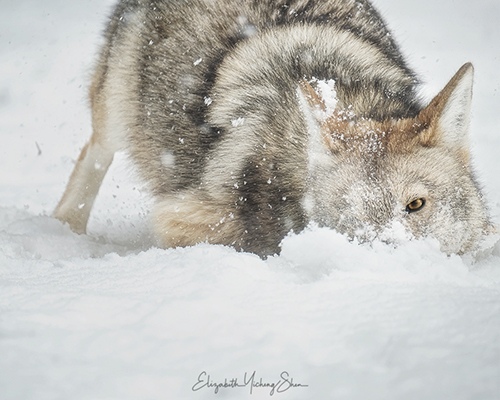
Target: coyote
250,119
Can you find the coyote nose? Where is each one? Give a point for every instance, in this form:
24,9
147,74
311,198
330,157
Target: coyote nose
379,215
378,207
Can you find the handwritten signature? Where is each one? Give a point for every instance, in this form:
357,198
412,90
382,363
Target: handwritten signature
283,384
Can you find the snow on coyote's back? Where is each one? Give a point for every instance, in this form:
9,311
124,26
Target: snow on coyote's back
223,107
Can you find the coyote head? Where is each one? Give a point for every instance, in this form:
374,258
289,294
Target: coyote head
365,175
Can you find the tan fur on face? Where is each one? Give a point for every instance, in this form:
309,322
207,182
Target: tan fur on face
393,135
343,131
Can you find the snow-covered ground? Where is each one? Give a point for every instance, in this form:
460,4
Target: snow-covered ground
109,316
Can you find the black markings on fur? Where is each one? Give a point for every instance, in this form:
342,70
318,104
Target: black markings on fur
264,202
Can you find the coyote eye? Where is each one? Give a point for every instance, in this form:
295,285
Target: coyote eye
415,205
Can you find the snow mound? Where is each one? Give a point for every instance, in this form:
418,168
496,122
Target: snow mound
95,319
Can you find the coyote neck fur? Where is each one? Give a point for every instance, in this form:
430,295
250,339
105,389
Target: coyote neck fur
265,129
255,93
267,68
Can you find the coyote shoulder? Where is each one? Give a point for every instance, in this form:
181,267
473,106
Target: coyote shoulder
250,119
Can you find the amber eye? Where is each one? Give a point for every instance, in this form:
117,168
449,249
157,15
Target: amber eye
415,205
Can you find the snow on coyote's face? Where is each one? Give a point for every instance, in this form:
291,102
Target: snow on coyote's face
414,172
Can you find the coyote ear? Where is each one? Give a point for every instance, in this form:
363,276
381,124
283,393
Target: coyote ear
448,114
312,98
315,111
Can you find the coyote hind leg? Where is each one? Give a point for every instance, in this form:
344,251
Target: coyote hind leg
83,186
